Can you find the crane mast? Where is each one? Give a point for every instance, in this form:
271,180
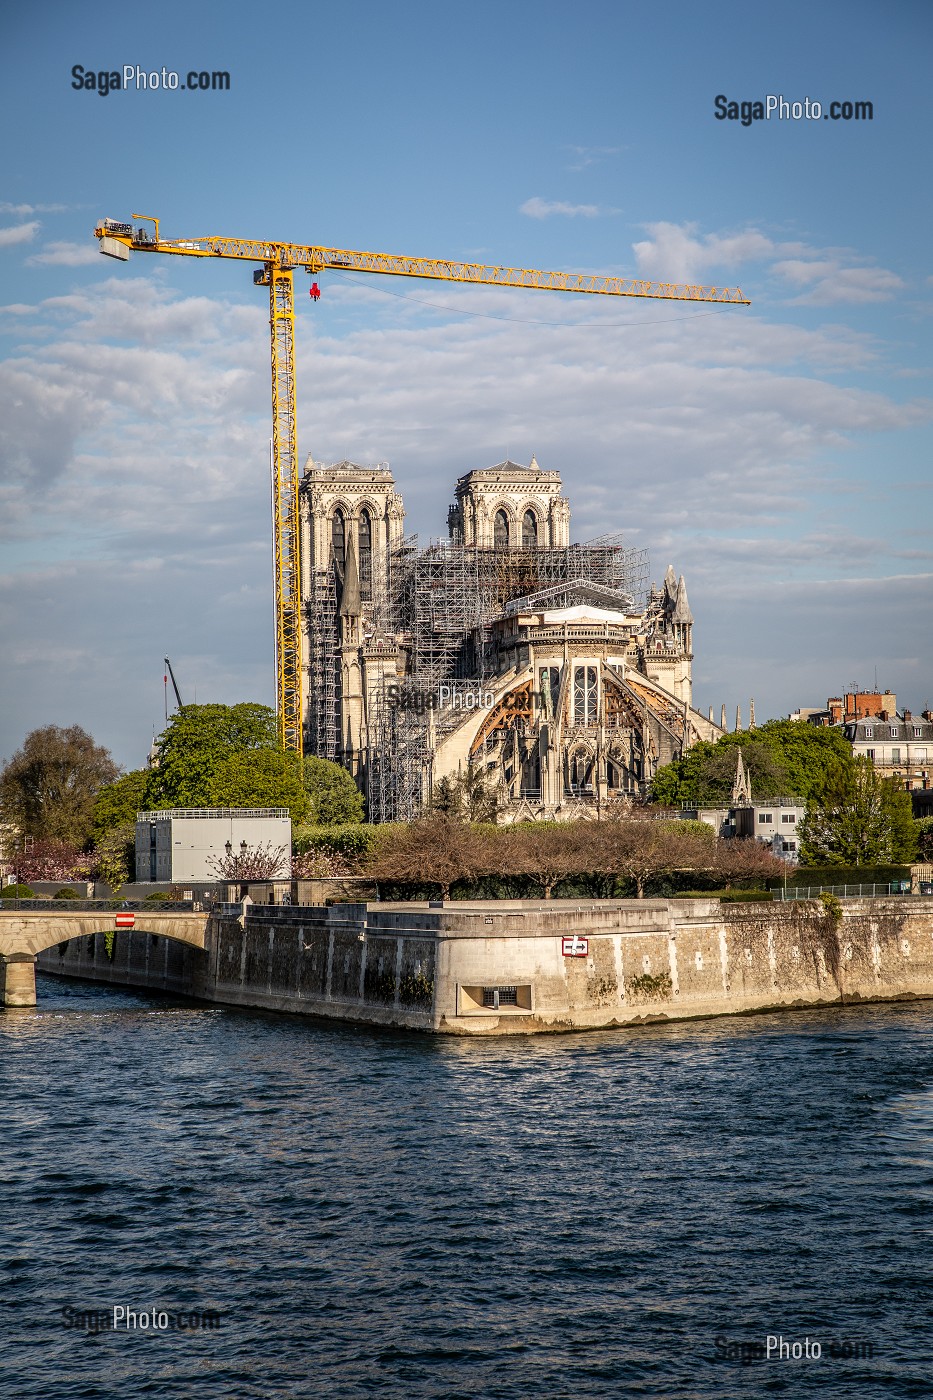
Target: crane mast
278,262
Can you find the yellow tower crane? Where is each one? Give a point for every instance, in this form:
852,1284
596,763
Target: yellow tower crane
278,262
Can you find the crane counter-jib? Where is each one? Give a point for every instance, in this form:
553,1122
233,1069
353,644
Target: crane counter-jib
278,262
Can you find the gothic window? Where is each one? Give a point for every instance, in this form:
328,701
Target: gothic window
550,688
501,530
338,537
529,529
584,695
366,554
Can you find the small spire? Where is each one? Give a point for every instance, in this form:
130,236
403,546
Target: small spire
742,787
710,714
533,464
682,611
751,713
738,718
722,719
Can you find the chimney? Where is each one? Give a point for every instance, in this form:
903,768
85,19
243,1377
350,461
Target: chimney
908,715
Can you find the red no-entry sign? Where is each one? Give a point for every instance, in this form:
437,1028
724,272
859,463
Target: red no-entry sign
125,920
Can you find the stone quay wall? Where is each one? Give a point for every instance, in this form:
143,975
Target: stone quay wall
505,967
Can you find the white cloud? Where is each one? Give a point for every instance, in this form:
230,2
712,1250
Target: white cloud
676,253
18,233
537,208
65,255
582,157
25,209
826,282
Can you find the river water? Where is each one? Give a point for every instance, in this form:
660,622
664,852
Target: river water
612,1214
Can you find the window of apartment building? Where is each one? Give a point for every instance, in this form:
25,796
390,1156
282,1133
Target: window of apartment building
765,817
584,695
920,755
870,753
788,816
917,732
895,732
895,755
789,845
868,732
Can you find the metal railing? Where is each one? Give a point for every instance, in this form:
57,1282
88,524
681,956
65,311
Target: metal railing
874,891
104,906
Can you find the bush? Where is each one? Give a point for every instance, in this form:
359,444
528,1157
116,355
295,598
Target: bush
66,892
157,897
353,842
17,892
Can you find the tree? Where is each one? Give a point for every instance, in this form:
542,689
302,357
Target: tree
468,796
924,829
229,756
641,849
860,819
118,803
49,786
196,741
433,850
51,860
784,758
547,851
113,860
266,862
335,799
258,778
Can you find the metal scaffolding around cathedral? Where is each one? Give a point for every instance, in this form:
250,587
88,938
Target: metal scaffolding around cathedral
505,649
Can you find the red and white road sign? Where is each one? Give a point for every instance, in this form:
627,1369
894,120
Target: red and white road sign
575,947
125,920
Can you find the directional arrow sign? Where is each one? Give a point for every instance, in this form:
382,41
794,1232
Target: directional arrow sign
575,947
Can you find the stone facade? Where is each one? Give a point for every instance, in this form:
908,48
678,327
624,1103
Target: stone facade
504,648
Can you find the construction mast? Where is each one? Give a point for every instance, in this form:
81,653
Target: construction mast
277,265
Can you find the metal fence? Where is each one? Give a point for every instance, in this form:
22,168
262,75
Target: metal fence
894,887
103,906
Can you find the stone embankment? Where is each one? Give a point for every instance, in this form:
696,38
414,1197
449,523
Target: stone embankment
475,968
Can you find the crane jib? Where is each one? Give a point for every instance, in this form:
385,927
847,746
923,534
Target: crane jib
279,260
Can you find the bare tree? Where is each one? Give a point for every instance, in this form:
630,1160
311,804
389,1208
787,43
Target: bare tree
547,852
435,850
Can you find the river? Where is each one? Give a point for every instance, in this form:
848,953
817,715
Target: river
357,1213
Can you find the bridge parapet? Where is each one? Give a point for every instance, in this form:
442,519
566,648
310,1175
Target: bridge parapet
26,933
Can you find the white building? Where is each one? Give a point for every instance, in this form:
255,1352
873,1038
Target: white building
182,844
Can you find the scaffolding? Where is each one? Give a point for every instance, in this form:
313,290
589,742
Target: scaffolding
436,606
323,729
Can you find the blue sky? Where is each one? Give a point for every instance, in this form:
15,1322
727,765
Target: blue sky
778,455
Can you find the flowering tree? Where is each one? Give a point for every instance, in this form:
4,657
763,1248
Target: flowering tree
319,865
245,862
51,860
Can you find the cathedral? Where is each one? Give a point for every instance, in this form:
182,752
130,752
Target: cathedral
503,650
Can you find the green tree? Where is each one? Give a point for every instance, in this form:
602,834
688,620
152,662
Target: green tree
334,798
196,742
859,819
118,803
259,778
49,787
784,758
924,829
468,796
113,859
